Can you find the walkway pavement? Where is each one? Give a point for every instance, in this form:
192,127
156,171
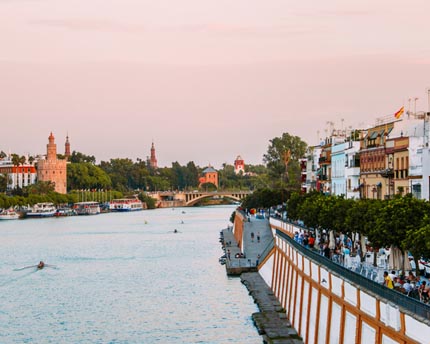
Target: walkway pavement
253,249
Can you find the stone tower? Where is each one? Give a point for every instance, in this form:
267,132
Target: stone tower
239,165
52,169
67,148
153,159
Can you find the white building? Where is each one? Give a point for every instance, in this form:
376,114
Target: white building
312,165
18,175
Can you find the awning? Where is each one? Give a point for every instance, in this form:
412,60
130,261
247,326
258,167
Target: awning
373,136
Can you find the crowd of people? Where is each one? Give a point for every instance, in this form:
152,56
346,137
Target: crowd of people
410,285
348,253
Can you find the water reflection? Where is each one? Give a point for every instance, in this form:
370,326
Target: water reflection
122,278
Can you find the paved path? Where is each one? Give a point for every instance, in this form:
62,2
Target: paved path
254,247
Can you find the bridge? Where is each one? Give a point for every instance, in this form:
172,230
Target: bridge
189,198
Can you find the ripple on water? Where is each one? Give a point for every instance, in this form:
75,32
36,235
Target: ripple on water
119,280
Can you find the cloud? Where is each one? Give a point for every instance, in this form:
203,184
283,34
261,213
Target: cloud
241,30
88,25
345,13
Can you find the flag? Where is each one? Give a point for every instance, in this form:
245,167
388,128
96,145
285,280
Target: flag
399,113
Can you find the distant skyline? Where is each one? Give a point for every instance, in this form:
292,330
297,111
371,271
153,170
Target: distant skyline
204,80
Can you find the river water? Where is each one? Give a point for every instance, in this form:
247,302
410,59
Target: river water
122,278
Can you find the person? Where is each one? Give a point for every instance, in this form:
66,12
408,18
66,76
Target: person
41,265
397,284
407,286
252,236
311,241
388,282
326,251
258,237
411,277
423,291
228,254
175,231
258,260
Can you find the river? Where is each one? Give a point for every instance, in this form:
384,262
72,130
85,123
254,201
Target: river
122,278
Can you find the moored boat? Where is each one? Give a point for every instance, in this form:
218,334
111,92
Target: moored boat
45,209
125,204
64,212
87,208
9,214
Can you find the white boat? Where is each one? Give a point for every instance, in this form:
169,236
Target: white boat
45,209
87,208
64,212
9,214
125,204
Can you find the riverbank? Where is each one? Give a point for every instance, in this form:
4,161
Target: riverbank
271,321
243,260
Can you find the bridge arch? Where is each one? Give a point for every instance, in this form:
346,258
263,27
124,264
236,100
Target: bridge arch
195,197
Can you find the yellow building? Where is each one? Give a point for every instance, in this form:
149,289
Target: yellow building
374,169
52,169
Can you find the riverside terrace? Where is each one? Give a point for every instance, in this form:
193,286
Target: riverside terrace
253,248
271,321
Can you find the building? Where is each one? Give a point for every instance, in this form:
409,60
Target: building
52,169
239,165
374,170
152,162
312,166
425,191
210,175
21,175
67,148
346,169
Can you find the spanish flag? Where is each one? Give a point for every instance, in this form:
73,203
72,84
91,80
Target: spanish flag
399,113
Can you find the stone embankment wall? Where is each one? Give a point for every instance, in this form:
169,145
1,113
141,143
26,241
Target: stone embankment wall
325,307
239,227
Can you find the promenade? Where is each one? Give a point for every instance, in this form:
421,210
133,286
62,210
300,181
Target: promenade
271,321
246,260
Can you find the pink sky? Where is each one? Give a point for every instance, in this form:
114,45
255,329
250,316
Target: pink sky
206,80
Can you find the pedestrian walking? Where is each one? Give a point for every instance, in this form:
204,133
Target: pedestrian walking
258,237
228,254
252,236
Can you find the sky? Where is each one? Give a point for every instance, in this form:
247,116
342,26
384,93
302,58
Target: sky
204,80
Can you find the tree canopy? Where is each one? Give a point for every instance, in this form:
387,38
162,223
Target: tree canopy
283,152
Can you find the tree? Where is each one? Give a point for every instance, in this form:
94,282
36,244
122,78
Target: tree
263,198
3,182
150,202
41,188
85,175
80,157
415,243
275,158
